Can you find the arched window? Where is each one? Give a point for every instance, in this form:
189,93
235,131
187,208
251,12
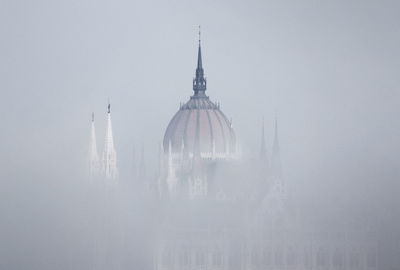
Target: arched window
167,258
371,258
278,257
200,258
266,257
217,258
354,260
184,258
307,259
254,257
291,257
322,257
338,259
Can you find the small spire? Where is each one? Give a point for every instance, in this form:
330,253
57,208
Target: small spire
276,167
276,141
263,150
199,82
109,108
94,165
142,168
199,69
109,158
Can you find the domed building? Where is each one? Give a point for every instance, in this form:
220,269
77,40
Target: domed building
200,126
211,209
225,212
198,136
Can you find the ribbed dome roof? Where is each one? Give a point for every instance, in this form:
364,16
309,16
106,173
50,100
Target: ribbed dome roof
200,122
200,125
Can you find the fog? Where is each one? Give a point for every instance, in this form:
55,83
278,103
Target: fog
327,70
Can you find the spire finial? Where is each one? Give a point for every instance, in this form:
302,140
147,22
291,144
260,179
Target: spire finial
199,82
199,34
92,116
109,106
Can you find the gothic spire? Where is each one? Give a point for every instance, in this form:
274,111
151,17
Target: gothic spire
94,165
263,149
276,167
142,168
109,158
134,165
199,60
199,82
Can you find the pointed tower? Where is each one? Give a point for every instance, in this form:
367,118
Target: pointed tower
199,82
273,205
276,166
263,147
134,164
94,165
142,166
109,158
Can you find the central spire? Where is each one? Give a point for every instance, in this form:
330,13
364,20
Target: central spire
199,83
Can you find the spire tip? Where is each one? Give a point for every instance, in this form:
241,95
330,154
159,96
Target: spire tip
199,34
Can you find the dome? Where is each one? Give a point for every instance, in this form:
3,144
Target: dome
200,124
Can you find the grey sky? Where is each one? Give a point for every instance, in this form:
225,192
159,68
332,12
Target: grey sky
329,68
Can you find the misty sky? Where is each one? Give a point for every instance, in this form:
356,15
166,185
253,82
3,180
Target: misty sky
330,69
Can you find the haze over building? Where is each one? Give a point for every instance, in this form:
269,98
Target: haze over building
220,210
326,70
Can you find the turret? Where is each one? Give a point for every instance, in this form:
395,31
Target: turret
276,166
94,165
263,147
142,166
109,158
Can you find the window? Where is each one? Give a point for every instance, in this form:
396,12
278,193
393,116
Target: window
371,259
167,258
278,257
217,258
354,260
184,258
322,257
200,258
254,257
338,259
266,258
307,259
291,257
